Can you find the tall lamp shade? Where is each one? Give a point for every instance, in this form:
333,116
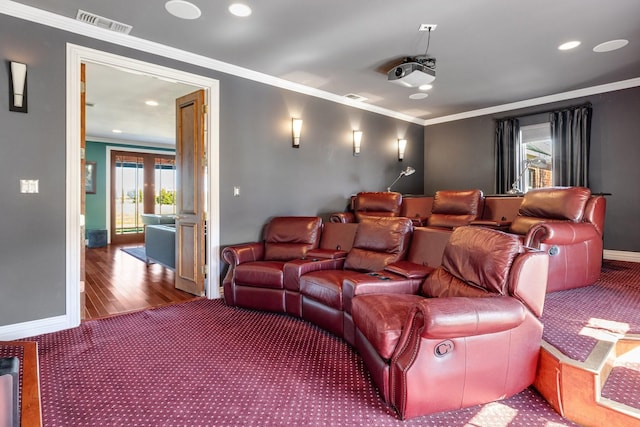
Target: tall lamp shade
357,141
296,130
402,146
18,95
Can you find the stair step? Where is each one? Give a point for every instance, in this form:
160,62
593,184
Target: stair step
623,382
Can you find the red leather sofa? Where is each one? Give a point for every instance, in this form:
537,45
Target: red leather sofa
361,281
471,336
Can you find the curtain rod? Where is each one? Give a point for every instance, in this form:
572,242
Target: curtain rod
519,116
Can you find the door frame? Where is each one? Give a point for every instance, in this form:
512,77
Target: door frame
76,55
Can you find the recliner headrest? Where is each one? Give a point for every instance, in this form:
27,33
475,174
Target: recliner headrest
377,204
378,242
455,208
479,257
550,204
565,203
290,237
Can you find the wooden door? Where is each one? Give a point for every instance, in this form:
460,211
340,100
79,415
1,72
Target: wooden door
190,194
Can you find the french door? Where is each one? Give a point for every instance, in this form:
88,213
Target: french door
140,183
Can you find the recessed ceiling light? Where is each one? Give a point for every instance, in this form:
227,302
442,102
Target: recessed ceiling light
569,45
426,87
182,9
116,131
151,103
239,9
611,45
418,95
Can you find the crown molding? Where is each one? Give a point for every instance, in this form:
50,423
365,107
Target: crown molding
39,16
594,90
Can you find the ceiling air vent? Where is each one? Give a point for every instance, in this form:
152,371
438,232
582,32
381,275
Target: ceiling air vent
354,97
99,21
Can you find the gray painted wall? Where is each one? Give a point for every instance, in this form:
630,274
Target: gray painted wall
255,152
467,146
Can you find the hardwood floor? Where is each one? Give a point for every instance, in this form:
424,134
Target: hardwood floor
116,283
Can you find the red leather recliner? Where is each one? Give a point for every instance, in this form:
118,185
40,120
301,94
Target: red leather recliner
335,244
473,334
378,242
371,204
566,222
255,278
450,209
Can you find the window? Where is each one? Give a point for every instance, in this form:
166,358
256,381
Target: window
129,193
536,156
142,183
165,185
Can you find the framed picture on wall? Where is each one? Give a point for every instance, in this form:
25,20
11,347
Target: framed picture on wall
90,178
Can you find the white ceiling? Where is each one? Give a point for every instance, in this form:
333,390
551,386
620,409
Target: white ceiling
489,52
116,101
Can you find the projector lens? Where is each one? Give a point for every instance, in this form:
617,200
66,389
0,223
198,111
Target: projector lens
399,72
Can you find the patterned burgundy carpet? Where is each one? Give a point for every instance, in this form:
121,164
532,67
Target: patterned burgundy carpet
204,364
574,318
623,382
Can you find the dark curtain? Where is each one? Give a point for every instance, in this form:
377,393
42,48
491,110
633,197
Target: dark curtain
571,135
507,153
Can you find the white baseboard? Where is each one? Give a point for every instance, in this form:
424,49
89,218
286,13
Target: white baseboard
33,328
621,255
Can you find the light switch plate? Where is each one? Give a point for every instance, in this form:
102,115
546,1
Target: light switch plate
29,186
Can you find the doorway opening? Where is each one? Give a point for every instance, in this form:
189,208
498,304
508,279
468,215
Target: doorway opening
76,55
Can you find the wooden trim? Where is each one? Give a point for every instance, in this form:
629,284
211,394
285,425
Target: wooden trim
573,388
30,407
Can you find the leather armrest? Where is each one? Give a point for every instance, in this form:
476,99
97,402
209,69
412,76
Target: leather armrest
409,269
342,217
293,270
239,254
326,253
376,283
560,233
462,316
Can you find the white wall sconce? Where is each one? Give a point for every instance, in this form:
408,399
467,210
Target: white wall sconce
296,129
402,146
18,95
357,139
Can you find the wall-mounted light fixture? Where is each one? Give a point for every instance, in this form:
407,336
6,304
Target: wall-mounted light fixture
18,95
296,129
402,145
357,139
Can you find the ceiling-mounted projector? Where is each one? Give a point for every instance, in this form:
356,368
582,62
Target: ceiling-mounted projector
411,74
